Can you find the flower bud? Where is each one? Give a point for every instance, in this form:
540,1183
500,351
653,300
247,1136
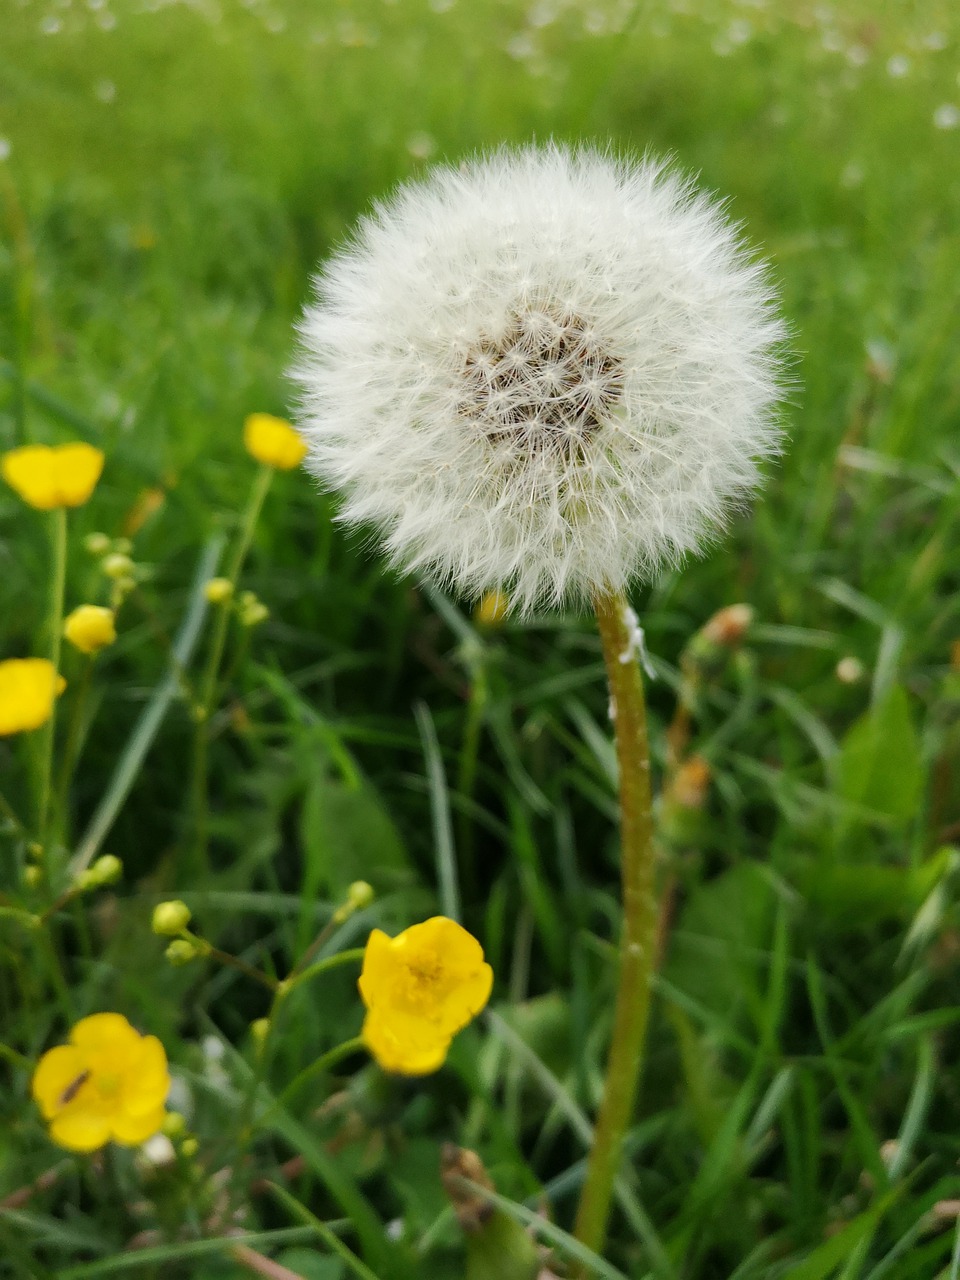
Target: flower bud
181,951
174,1123
32,875
106,870
849,670
117,565
252,610
90,627
491,610
170,918
259,1030
218,590
97,544
359,895
189,1147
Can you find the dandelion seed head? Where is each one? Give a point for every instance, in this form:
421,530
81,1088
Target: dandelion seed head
547,371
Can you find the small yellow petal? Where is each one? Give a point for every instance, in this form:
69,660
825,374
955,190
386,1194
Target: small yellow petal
78,468
273,442
56,1072
107,1034
80,1130
130,1129
416,1054
90,627
28,687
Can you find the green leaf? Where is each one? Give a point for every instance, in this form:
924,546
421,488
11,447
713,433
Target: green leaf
311,1265
879,768
348,835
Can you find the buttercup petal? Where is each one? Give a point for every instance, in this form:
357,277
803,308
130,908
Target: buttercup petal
78,1129
131,1130
414,1055
56,1071
77,468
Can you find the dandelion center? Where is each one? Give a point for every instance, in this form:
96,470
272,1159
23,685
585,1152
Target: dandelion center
545,382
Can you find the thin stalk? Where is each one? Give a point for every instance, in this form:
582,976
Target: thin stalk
209,681
72,744
59,531
638,940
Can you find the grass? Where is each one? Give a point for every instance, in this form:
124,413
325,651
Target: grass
174,174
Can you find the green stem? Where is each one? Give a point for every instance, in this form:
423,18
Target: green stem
72,744
59,530
209,680
234,962
330,962
638,941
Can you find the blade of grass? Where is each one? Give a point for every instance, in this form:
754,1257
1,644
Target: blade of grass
145,730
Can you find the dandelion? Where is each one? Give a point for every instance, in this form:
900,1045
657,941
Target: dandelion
28,689
273,442
90,628
548,372
108,1084
48,478
420,988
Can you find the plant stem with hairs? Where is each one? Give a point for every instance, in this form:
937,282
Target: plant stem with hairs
638,941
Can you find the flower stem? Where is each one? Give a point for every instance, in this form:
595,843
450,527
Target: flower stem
637,946
59,531
209,680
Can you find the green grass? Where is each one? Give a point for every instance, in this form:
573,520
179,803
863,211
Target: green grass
172,181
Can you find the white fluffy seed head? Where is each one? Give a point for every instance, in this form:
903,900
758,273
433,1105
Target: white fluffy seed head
548,372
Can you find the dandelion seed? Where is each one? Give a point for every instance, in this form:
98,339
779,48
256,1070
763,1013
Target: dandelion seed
108,1084
547,372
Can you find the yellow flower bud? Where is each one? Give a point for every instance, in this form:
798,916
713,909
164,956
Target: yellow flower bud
90,627
359,895
252,610
491,610
98,544
189,1147
117,565
273,442
181,951
259,1029
174,1124
32,875
170,918
218,590
106,870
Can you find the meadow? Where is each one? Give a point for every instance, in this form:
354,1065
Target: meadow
170,176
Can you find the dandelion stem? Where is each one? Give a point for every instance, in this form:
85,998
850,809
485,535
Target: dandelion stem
638,941
209,681
59,531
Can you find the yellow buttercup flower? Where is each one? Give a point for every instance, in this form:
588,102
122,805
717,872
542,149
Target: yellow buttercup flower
108,1084
420,989
28,687
46,478
90,627
273,442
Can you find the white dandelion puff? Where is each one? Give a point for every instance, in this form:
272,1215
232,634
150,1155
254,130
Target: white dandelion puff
549,372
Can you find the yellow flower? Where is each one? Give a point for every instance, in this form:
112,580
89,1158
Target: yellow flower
420,989
46,478
273,442
108,1083
492,609
90,627
28,687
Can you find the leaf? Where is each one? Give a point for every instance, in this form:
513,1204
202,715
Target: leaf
880,767
311,1265
348,835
